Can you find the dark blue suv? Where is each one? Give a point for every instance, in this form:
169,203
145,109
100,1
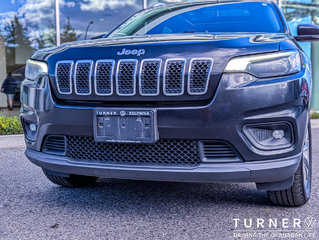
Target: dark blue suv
192,92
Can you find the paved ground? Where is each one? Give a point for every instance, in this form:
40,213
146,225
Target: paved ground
7,113
33,208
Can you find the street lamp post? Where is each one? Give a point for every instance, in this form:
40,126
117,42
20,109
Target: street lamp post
87,29
57,22
315,63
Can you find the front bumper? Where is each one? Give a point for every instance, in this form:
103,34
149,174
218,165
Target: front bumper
223,118
261,171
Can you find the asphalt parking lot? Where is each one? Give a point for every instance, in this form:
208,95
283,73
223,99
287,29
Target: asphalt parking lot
31,207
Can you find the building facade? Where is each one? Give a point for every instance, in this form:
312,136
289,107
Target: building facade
29,25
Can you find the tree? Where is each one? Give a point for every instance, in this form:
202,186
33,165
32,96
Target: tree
18,46
16,34
69,33
46,38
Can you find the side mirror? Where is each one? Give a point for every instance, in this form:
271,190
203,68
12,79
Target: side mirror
307,33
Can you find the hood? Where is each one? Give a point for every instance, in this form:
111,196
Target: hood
234,40
219,47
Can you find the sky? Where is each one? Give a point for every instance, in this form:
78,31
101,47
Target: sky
39,14
105,14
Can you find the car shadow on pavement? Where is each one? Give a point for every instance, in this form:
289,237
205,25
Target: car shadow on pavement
124,195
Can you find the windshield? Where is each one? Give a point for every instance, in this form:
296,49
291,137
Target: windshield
243,17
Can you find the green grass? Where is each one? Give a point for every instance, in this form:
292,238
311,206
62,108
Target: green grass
314,115
10,125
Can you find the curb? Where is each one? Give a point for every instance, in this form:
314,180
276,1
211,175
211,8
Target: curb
315,123
14,135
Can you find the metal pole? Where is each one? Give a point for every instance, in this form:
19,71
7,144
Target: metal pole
315,65
87,29
57,22
144,4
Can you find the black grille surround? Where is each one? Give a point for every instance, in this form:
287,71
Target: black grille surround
141,80
165,152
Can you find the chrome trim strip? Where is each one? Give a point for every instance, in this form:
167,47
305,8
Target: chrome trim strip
208,76
70,77
134,77
112,72
158,76
183,77
90,77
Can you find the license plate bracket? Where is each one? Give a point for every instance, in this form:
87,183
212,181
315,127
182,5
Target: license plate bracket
125,125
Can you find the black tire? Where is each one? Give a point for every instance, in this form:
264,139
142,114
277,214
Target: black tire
73,181
299,193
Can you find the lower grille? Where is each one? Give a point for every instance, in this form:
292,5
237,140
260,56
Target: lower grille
177,152
165,152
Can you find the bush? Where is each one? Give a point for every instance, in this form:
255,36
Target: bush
314,115
10,125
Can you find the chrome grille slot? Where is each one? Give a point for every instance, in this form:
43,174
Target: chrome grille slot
199,75
63,73
126,77
82,77
150,77
122,78
174,77
104,77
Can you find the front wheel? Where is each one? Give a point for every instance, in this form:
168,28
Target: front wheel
73,181
299,193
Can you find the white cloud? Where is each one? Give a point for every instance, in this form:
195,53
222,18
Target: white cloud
101,5
68,4
36,13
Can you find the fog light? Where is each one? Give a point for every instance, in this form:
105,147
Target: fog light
33,127
29,121
270,136
278,134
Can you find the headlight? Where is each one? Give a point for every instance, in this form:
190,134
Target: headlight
35,68
266,65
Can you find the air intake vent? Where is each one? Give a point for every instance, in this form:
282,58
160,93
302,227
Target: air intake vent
150,77
63,73
199,76
104,77
126,77
55,145
218,152
82,76
174,77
